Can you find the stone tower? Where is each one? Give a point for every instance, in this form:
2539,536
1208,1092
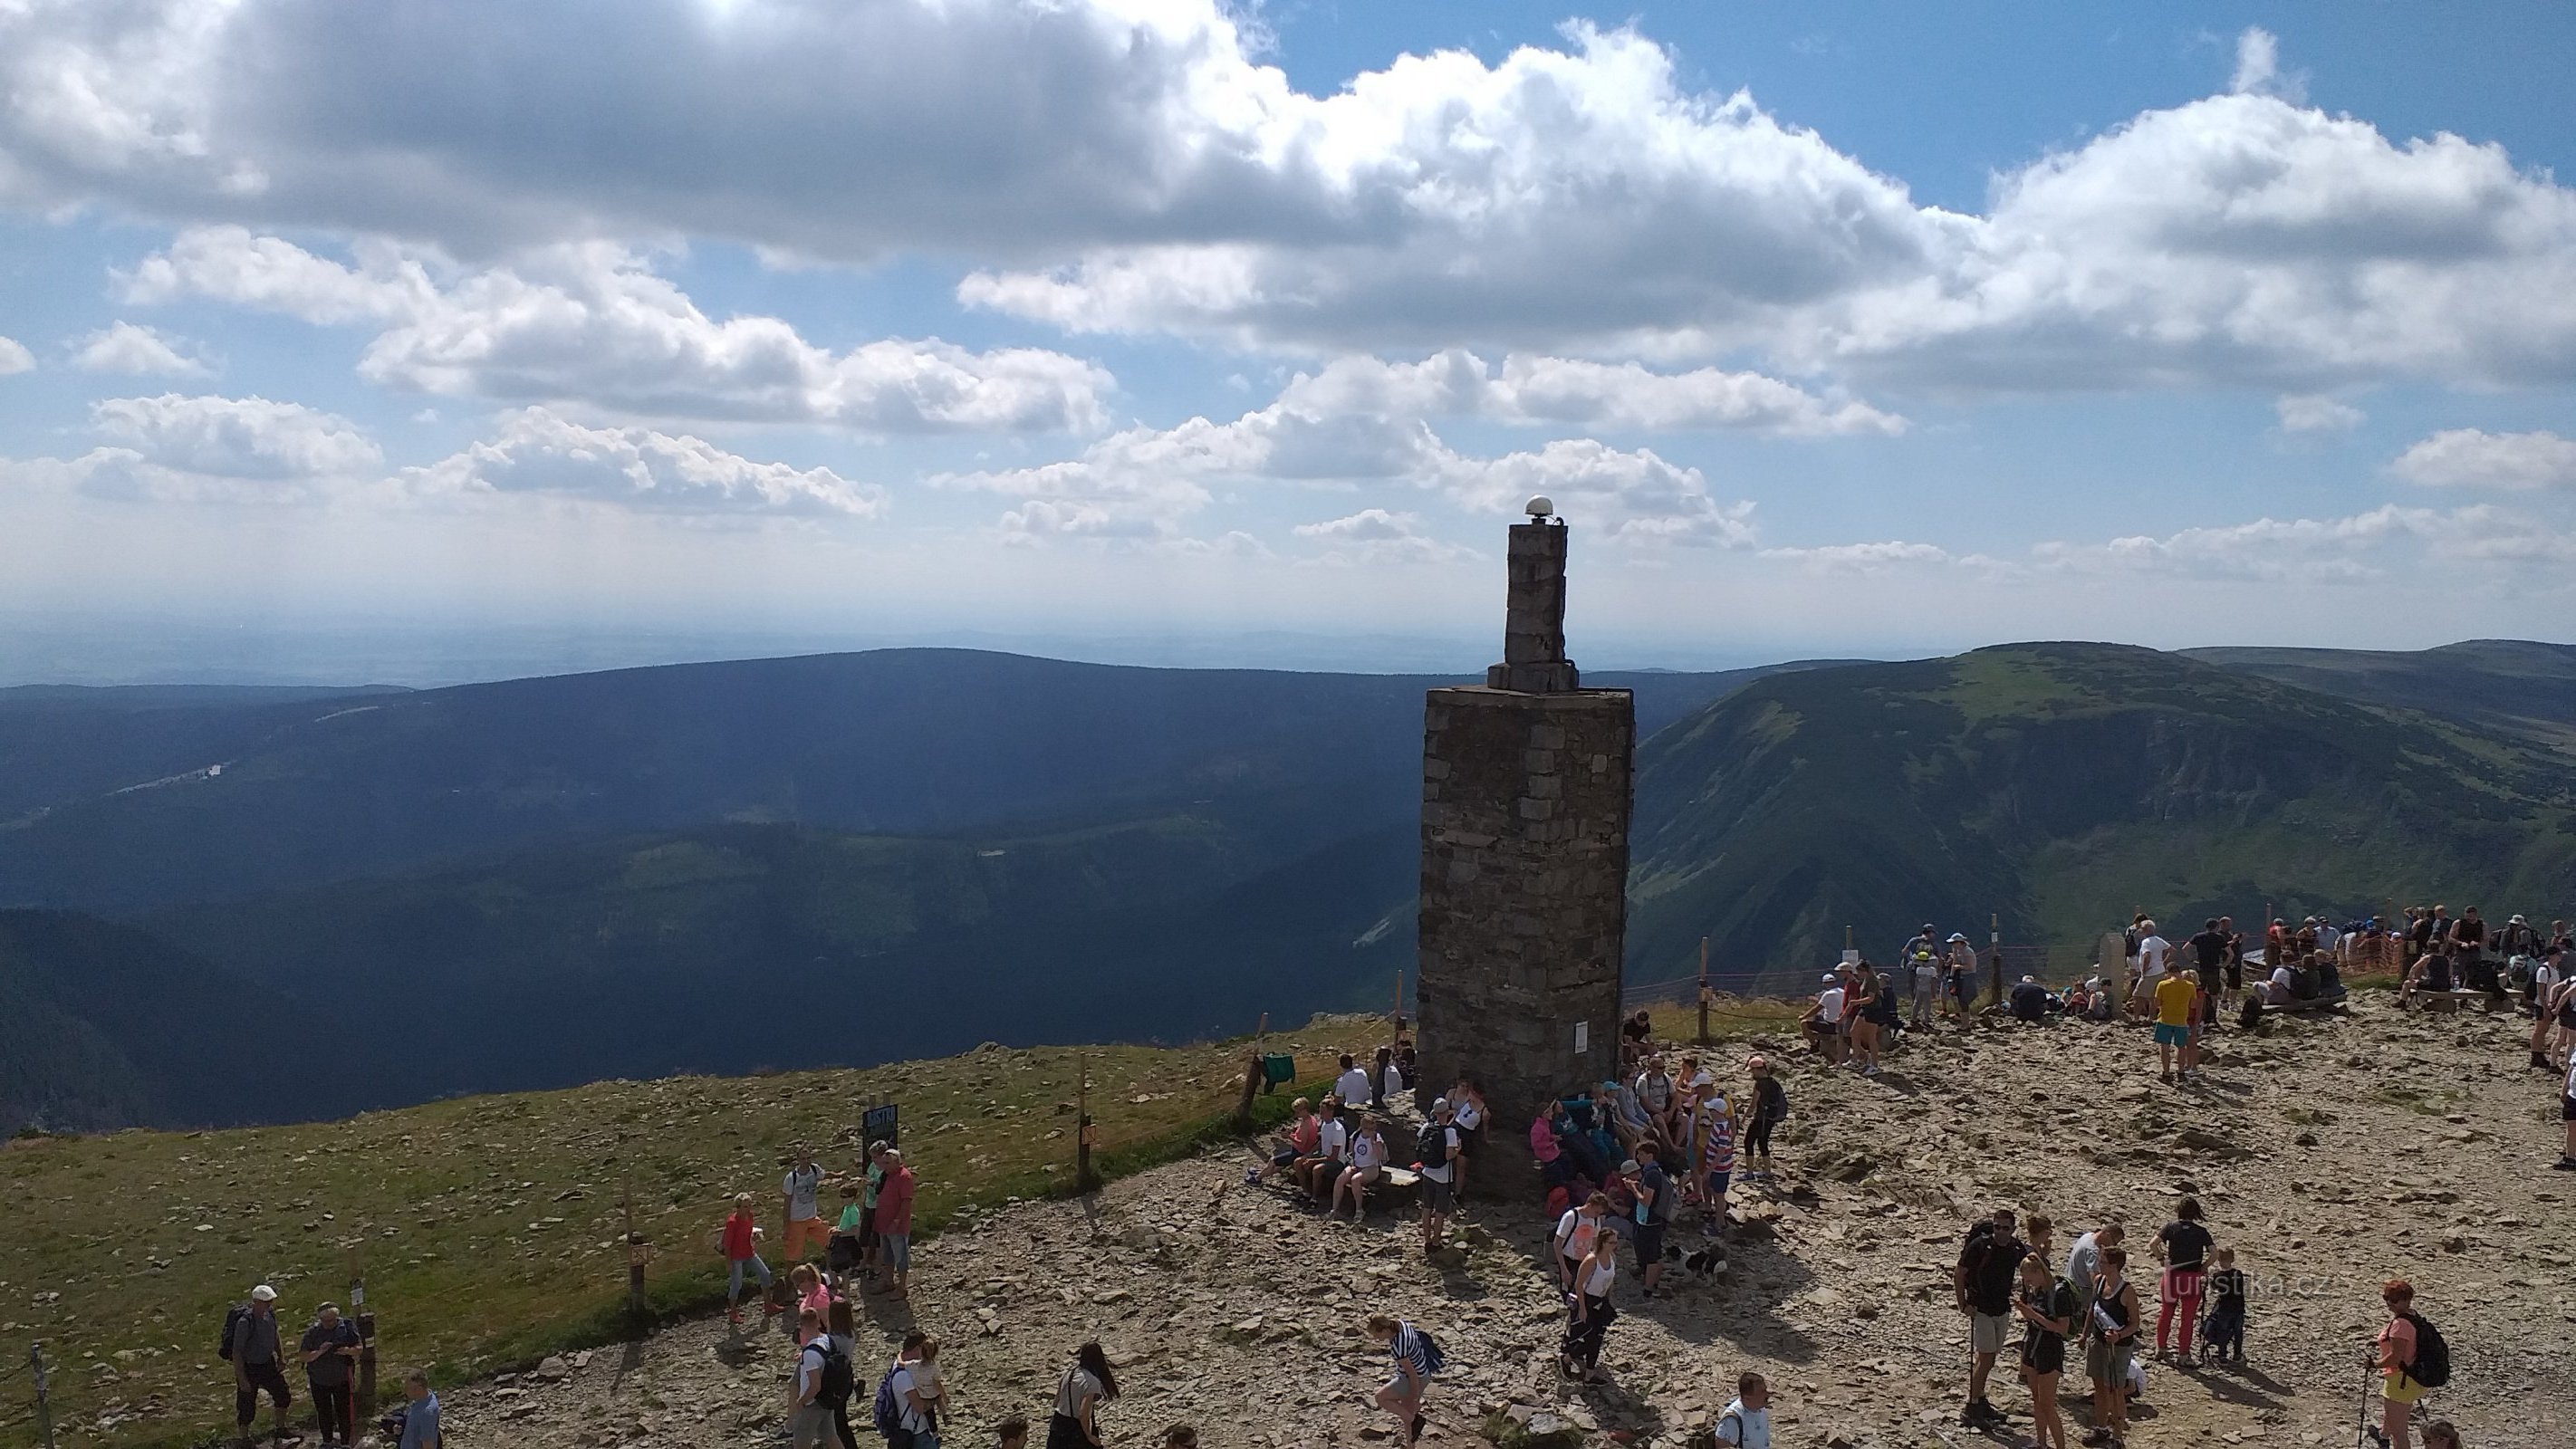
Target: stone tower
1525,795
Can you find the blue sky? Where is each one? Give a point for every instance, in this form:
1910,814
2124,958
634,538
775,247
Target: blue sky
387,339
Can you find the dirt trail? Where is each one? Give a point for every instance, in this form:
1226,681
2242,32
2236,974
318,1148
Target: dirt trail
2331,1155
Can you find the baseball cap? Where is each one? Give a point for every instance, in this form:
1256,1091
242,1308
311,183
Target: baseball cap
263,1294
1831,977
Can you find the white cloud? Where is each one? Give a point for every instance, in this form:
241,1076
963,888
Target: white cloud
537,453
1126,165
1374,535
1539,390
2472,458
593,324
2361,546
2258,67
245,438
1359,424
1863,558
14,357
129,348
2316,413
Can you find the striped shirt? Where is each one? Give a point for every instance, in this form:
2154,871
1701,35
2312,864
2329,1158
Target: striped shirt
1410,1352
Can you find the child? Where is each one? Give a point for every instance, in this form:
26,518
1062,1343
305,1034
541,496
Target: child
2222,1336
1717,1157
813,1301
1011,1433
1770,1109
926,1386
739,1241
843,1254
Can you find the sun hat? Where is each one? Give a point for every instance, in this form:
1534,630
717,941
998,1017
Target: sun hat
1958,935
263,1294
1630,1166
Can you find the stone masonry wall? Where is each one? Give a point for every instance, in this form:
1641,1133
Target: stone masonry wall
1525,801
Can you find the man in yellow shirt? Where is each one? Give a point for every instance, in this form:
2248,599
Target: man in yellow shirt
2176,996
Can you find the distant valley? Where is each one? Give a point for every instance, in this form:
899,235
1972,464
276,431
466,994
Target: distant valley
846,859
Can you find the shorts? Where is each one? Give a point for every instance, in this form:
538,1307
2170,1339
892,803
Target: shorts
1986,1331
2172,1035
2043,1353
246,1390
1717,1182
843,1253
2567,1109
894,1251
2397,1388
2108,1363
809,1426
1437,1196
2235,976
1650,1243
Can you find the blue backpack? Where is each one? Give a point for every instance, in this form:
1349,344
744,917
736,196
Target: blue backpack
887,1412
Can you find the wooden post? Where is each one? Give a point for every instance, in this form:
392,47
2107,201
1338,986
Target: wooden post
636,1253
44,1400
1995,944
1082,1125
1252,1074
1703,991
363,1402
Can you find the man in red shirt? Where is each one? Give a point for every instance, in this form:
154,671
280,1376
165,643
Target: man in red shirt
894,1225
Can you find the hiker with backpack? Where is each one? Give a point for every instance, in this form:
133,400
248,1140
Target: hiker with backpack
2412,1361
1959,974
2111,1334
1988,1268
895,1410
1746,1422
2184,1244
2048,1308
1436,1147
1589,1313
1417,1357
2567,1115
330,1351
809,1416
1656,1196
1075,1422
250,1345
1574,1234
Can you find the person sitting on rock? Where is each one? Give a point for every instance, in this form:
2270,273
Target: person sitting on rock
1636,1038
1368,1154
1317,1174
1823,1024
1661,1098
2029,1001
1628,1119
1295,1145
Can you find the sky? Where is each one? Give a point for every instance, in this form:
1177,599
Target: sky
435,339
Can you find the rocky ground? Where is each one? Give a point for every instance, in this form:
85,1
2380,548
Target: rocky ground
2331,1154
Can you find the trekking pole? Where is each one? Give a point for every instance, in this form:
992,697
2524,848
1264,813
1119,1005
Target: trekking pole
1082,1124
44,1402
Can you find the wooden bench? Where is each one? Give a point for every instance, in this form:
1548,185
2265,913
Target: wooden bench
2297,1004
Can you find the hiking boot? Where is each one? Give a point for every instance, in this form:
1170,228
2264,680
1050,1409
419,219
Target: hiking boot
1993,1414
2565,1164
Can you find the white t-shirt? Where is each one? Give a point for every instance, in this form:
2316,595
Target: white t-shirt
1574,1234
1394,1080
1352,1086
907,1381
2152,955
1831,999
1596,1275
803,1185
1368,1150
2281,980
1468,1115
1744,1428
1335,1139
2571,1074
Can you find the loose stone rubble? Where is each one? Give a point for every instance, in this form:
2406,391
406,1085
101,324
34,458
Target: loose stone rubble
2331,1154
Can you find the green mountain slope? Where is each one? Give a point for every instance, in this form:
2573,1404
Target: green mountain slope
105,1026
118,808
2060,786
737,948
2511,685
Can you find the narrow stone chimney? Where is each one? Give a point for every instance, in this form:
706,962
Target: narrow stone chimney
1523,926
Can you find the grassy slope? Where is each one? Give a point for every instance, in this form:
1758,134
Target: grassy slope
2062,786
489,1224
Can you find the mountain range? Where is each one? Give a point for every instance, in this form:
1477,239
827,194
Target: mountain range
845,859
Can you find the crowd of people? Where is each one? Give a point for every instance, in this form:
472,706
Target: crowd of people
1620,1163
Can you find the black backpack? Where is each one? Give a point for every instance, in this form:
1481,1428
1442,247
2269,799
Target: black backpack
232,1321
1431,1145
2432,1365
838,1380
